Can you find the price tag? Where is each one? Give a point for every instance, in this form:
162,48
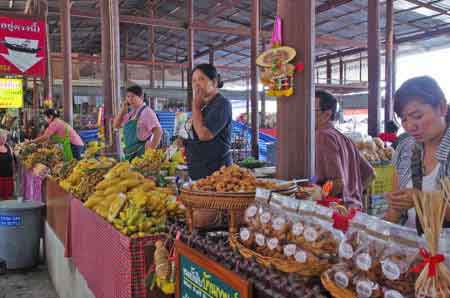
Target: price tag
263,193
289,250
266,217
279,223
251,211
300,256
297,229
391,270
245,234
392,294
341,279
345,250
364,261
364,289
272,243
311,234
260,239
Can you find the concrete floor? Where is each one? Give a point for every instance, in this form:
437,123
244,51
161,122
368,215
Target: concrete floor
34,283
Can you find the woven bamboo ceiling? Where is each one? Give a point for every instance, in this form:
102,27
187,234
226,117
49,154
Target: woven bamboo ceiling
341,27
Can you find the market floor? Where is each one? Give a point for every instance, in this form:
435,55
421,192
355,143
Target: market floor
34,283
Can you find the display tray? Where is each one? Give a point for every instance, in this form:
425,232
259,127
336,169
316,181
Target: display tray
308,269
216,200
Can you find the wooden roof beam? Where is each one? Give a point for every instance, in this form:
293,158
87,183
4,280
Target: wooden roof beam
429,6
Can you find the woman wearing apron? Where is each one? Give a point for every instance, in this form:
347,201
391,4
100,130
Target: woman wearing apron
61,133
141,128
422,159
209,142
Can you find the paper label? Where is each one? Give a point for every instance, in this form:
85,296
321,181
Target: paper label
263,193
245,234
364,261
272,243
311,234
279,223
297,229
364,289
341,279
265,217
289,250
392,294
391,270
260,239
300,256
345,250
251,211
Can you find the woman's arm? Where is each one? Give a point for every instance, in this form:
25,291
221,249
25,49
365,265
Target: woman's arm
45,137
392,214
156,137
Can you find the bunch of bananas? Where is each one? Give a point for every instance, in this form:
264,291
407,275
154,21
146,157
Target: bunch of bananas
63,169
48,156
150,163
157,203
93,149
134,222
86,175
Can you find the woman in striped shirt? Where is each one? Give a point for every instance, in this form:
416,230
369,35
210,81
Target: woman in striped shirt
422,159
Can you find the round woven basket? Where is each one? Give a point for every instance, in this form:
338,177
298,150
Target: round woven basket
216,200
334,290
309,269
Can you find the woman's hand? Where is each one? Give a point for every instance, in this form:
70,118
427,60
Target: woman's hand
402,199
198,98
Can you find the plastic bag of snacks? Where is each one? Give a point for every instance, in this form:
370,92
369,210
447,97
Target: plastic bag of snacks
342,275
281,223
365,287
247,237
253,212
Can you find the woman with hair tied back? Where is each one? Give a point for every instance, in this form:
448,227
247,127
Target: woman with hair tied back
422,159
209,142
62,133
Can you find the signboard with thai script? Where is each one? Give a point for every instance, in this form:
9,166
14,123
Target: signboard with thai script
22,46
200,277
11,93
10,220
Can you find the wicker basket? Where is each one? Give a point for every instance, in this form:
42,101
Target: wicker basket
234,203
310,269
334,290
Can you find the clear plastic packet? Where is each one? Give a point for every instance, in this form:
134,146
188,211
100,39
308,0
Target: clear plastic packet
260,245
252,213
246,237
396,264
366,287
321,238
280,219
367,258
274,248
342,275
349,245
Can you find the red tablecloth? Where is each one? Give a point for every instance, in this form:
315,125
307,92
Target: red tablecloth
113,265
31,185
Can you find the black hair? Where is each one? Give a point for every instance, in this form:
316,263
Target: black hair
424,88
51,113
391,127
136,90
327,102
210,71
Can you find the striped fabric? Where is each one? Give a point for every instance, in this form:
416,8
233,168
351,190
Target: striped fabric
403,156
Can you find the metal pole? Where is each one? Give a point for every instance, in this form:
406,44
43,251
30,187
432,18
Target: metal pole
389,73
341,71
190,53
49,75
67,62
329,71
373,52
295,116
111,70
254,76
125,48
151,52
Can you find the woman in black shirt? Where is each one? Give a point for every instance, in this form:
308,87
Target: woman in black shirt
208,146
6,168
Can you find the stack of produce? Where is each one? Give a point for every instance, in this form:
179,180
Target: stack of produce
156,160
132,203
93,149
86,175
374,150
49,156
231,179
63,169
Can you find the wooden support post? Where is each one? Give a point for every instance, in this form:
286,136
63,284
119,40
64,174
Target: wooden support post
190,53
163,77
389,67
151,52
373,52
263,94
295,117
111,70
329,71
254,76
249,96
67,62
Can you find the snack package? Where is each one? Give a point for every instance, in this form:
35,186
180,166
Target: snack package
367,257
265,219
349,245
342,275
396,264
260,243
247,237
252,213
280,221
320,238
365,287
274,248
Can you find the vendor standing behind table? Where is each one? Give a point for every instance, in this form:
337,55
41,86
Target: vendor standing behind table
209,142
337,157
141,128
62,133
6,167
422,159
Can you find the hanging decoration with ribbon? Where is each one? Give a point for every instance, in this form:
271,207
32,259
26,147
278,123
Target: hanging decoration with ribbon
277,73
